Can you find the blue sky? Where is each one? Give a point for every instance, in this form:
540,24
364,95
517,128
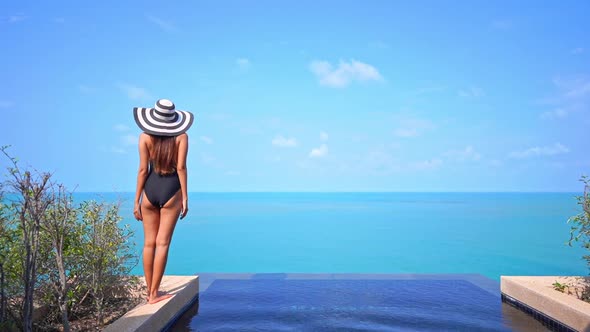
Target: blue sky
305,95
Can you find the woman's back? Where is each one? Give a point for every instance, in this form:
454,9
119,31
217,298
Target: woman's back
163,152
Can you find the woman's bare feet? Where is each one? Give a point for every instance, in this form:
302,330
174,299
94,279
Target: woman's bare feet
157,297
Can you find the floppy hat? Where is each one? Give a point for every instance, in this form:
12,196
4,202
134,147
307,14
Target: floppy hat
163,119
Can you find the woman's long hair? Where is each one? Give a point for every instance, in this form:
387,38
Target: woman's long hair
164,154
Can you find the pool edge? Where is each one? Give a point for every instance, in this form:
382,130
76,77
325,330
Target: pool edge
159,316
536,296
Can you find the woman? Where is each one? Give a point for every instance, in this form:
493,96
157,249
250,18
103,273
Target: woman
161,193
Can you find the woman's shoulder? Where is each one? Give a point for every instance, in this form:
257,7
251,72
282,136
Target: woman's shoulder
143,137
182,137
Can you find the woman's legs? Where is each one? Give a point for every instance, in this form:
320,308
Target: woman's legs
151,223
168,216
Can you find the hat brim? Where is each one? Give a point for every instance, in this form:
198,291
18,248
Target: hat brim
149,123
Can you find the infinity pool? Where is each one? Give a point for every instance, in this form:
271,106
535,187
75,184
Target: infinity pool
351,302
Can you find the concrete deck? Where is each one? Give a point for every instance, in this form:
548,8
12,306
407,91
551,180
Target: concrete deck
154,317
539,294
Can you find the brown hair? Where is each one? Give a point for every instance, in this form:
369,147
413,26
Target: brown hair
164,154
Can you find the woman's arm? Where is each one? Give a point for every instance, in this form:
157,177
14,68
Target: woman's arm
142,173
181,170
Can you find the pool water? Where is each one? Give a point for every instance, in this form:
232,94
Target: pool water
351,302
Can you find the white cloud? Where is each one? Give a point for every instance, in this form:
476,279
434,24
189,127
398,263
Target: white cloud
213,162
283,142
573,87
6,104
467,154
472,92
120,127
207,140
118,150
573,96
126,140
557,113
382,160
346,72
164,25
243,63
134,92
207,159
577,50
582,90
411,127
15,18
548,150
129,140
323,136
319,152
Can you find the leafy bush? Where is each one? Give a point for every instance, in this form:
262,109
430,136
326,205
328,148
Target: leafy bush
580,230
106,252
72,261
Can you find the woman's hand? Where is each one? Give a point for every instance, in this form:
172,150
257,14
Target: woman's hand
184,210
137,211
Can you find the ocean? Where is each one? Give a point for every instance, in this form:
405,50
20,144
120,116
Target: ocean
491,234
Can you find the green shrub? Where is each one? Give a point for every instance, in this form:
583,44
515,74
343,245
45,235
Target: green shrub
70,260
580,229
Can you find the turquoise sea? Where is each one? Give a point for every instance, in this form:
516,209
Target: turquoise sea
492,234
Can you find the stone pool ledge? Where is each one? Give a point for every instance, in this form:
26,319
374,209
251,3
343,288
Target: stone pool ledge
536,296
155,317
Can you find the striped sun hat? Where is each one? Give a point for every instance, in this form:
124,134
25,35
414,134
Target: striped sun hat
163,119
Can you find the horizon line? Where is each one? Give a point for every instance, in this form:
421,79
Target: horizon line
354,192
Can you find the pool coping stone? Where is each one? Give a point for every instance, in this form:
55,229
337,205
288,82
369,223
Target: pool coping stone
536,295
158,316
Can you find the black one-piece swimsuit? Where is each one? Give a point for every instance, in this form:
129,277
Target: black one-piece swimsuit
160,188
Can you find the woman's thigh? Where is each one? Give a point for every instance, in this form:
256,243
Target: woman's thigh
151,221
168,217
